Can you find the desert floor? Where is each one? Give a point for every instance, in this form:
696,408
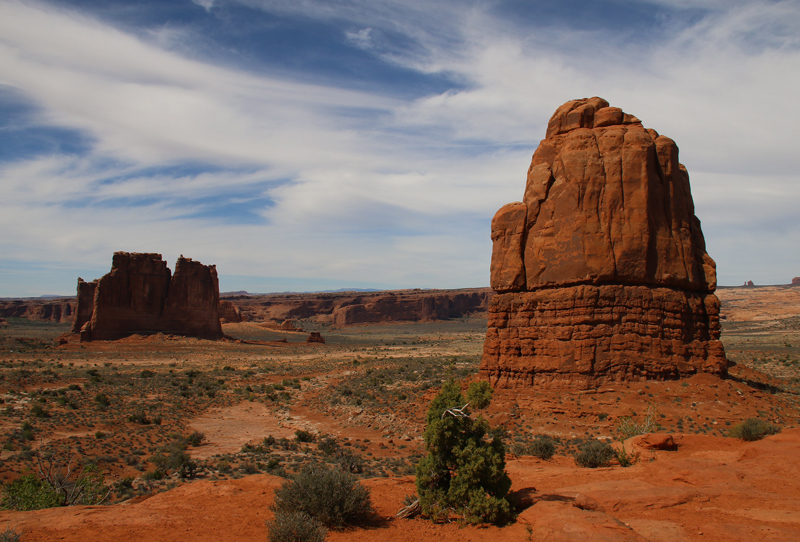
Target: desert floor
127,407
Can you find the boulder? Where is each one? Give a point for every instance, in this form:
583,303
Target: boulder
601,270
141,296
654,441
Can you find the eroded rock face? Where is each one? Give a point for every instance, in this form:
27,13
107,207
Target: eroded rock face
601,270
140,295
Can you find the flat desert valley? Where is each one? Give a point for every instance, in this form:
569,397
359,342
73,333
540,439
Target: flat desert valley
257,406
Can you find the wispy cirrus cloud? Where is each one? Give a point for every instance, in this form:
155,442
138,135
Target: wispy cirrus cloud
370,141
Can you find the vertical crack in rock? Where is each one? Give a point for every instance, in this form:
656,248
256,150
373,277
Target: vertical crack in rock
601,272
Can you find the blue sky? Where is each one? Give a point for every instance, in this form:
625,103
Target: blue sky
322,144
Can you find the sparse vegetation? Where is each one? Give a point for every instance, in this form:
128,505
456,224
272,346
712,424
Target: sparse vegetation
542,447
631,427
329,495
10,535
295,526
753,429
595,454
58,482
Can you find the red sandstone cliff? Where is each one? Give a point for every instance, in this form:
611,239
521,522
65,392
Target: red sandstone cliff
140,295
601,270
50,310
349,308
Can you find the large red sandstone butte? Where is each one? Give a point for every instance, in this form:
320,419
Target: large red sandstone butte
140,295
601,271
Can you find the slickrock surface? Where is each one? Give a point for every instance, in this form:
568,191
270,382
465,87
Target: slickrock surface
706,489
140,295
601,271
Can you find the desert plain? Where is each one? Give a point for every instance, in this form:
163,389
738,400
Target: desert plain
255,407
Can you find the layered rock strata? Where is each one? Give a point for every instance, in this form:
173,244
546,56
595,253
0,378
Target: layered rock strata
357,308
140,295
601,271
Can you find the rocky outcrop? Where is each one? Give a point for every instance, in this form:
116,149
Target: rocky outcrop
315,337
601,271
228,313
85,304
140,295
349,308
50,310
796,281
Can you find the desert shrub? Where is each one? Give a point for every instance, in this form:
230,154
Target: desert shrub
629,427
38,411
288,526
330,495
595,454
349,461
57,483
140,418
542,447
10,535
304,436
102,400
464,469
195,439
753,429
29,492
156,474
328,445
626,459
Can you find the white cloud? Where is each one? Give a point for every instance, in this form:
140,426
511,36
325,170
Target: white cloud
404,196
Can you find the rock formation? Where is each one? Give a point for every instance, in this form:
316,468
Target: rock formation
140,295
796,281
349,308
601,271
50,310
228,313
315,337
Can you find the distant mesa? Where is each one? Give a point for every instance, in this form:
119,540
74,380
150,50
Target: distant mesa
359,308
749,283
796,281
601,271
43,309
141,296
315,337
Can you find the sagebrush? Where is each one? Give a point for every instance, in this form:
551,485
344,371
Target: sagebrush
330,495
753,429
295,526
595,454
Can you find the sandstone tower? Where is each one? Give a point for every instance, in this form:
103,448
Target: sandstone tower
601,272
